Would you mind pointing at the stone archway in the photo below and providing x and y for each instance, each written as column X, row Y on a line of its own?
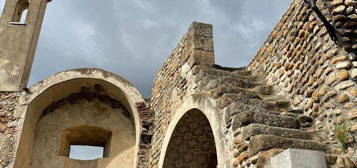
column 207, row 110
column 79, row 100
column 192, row 143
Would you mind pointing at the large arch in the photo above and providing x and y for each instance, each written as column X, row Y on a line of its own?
column 206, row 111
column 46, row 93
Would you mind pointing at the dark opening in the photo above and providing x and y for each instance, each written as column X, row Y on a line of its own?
column 192, row 143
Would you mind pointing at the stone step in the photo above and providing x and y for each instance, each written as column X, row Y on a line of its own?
column 272, row 97
column 265, row 142
column 305, row 121
column 296, row 111
column 238, row 82
column 256, row 79
column 264, row 90
column 243, row 73
column 221, row 90
column 279, row 103
column 274, row 105
column 258, row 129
column 227, row 81
column 249, row 117
column 202, row 70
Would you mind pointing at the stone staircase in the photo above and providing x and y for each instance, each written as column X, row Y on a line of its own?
column 262, row 124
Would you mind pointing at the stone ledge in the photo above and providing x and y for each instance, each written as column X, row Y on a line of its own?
column 257, row 129
column 265, row 142
column 298, row 158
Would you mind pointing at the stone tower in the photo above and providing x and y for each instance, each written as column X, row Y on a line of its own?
column 18, row 38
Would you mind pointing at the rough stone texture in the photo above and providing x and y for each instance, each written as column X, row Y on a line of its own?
column 305, row 61
column 297, row 158
column 342, row 16
column 246, row 118
column 266, row 142
column 170, row 85
column 147, row 119
column 8, row 127
column 257, row 129
column 299, row 91
column 239, row 98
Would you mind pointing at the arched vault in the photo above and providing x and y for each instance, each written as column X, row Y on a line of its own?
column 42, row 96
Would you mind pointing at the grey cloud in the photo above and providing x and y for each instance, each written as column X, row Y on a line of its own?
column 133, row 38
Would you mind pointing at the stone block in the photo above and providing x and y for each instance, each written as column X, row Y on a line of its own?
column 263, row 142
column 258, row 129
column 201, row 29
column 298, row 158
column 248, row 117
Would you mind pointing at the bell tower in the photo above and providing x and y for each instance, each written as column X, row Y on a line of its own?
column 20, row 26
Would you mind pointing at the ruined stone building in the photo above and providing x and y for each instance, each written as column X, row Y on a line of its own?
column 294, row 105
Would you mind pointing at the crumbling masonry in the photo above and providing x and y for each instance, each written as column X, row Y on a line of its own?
column 298, row 93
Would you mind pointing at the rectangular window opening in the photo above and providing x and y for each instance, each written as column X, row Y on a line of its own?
column 85, row 152
column 2, row 5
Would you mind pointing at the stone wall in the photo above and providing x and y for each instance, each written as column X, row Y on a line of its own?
column 170, row 84
column 8, row 127
column 316, row 71
column 342, row 15
column 147, row 121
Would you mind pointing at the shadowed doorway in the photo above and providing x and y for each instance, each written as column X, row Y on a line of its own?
column 192, row 143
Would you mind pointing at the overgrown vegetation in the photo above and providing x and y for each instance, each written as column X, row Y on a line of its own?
column 342, row 135
column 151, row 113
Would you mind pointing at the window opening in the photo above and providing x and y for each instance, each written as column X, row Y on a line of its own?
column 2, row 5
column 85, row 152
column 85, row 143
column 20, row 13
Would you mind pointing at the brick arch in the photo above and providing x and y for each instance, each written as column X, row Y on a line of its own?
column 182, row 125
column 44, row 95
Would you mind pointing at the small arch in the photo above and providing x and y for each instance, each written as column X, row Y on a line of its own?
column 204, row 107
column 63, row 93
column 192, row 143
column 20, row 12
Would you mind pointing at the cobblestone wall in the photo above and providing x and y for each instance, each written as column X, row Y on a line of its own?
column 342, row 15
column 170, row 84
column 8, row 127
column 304, row 62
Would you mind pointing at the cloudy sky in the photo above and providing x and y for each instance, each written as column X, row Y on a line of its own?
column 134, row 37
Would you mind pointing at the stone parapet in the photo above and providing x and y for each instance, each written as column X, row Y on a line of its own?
column 171, row 83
